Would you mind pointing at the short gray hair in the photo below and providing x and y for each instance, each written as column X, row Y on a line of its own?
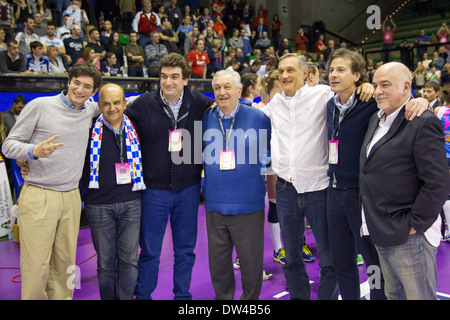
column 302, row 63
column 234, row 74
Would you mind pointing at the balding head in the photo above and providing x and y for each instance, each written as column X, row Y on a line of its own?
column 112, row 104
column 392, row 82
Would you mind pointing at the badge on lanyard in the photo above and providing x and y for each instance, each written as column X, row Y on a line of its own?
column 333, row 151
column 174, row 140
column 123, row 173
column 227, row 161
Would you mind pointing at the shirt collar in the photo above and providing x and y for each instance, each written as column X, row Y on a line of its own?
column 118, row 132
column 231, row 115
column 177, row 103
column 345, row 106
column 63, row 98
column 388, row 120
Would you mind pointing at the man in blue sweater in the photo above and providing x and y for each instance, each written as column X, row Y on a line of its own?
column 235, row 138
column 166, row 121
column 112, row 180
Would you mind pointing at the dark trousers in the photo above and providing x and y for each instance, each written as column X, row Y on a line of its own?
column 344, row 223
column 245, row 232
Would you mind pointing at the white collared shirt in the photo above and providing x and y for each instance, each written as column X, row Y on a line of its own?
column 299, row 144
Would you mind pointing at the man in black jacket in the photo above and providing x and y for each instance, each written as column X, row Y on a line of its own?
column 167, row 121
column 12, row 60
column 404, row 182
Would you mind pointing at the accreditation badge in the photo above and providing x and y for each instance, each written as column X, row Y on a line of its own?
column 174, row 140
column 333, row 151
column 123, row 173
column 227, row 161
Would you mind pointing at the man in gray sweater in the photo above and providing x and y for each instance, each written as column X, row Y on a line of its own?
column 50, row 204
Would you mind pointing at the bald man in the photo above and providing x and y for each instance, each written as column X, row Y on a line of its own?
column 112, row 180
column 404, row 182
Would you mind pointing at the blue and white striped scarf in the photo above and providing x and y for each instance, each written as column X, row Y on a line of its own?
column 133, row 154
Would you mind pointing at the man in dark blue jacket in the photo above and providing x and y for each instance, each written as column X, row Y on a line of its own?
column 167, row 121
column 348, row 118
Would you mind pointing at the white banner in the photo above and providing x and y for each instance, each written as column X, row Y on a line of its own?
column 5, row 200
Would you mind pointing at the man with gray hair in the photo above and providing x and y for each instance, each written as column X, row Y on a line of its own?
column 404, row 182
column 235, row 138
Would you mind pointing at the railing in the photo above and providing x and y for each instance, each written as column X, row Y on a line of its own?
column 57, row 83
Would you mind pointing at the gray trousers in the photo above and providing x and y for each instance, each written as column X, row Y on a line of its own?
column 245, row 232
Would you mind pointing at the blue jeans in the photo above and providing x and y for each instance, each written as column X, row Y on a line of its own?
column 409, row 269
column 292, row 208
column 157, row 207
column 344, row 223
column 115, row 235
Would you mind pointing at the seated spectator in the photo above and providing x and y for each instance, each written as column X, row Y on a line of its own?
column 88, row 55
column 63, row 31
column 229, row 55
column 321, row 61
column 167, row 36
column 426, row 60
column 242, row 59
column 260, row 28
column 94, row 42
column 2, row 39
column 233, row 65
column 56, row 63
column 320, row 45
column 189, row 41
column 254, row 67
column 12, row 60
column 111, row 67
column 281, row 50
column 236, row 41
column 135, row 56
column 77, row 15
column 204, row 18
column 115, row 46
column 266, row 68
column 184, row 31
column 438, row 60
column 198, row 60
column 73, row 45
column 25, row 37
column 445, row 74
column 260, row 19
column 154, row 51
column 247, row 47
column 23, row 10
column 37, row 61
column 106, row 32
column 50, row 39
column 41, row 7
column 40, row 27
column 263, row 42
column 433, row 73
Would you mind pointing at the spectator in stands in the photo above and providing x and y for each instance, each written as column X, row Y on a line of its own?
column 135, row 56
column 63, row 31
column 184, row 31
column 161, row 12
column 433, row 73
column 12, row 60
column 266, row 68
column 247, row 13
column 154, row 51
column 9, row 116
column 37, row 61
column 88, row 55
column 41, row 7
column 77, row 14
column 300, row 41
column 426, row 60
column 421, row 42
column 313, row 78
column 320, row 44
column 94, row 42
column 115, row 46
column 321, row 61
column 23, row 10
column 40, row 27
column 2, row 39
column 260, row 28
column 145, row 22
column 235, row 41
column 276, row 30
column 263, row 42
column 283, row 46
column 204, row 18
column 189, row 41
column 216, row 57
column 168, row 36
column 127, row 10
column 420, row 75
column 388, row 38
column 198, row 60
column 106, row 32
column 254, row 67
column 61, row 5
column 111, row 67
column 330, row 48
column 247, row 47
column 219, row 26
column 7, row 18
column 218, row 8
column 25, row 37
column 56, row 63
column 73, row 45
column 50, row 39
column 443, row 35
column 445, row 74
column 174, row 14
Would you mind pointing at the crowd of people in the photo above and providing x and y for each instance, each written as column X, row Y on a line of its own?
column 151, row 168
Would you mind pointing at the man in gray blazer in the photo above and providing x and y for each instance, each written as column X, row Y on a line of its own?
column 9, row 116
column 404, row 182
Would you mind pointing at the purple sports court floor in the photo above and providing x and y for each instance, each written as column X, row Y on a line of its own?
column 201, row 287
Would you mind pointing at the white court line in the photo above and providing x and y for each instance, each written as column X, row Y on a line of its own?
column 282, row 294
